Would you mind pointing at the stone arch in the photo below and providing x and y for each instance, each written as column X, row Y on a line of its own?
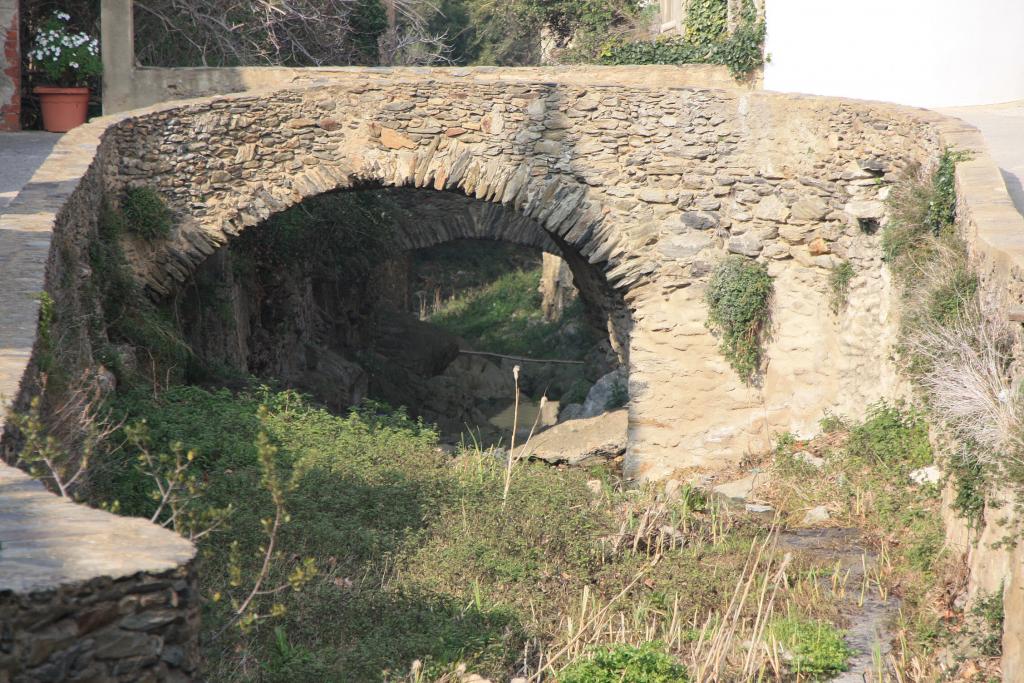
column 648, row 186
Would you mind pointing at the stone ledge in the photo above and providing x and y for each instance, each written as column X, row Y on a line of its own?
column 149, row 85
column 47, row 541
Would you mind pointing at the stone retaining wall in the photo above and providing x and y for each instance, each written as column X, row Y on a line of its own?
column 994, row 231
column 90, row 596
column 84, row 595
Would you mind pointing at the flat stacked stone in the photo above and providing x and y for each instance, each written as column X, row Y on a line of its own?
column 86, row 595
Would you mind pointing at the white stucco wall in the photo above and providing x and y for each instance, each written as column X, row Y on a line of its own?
column 928, row 53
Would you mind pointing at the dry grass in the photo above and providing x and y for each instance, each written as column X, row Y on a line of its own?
column 966, row 382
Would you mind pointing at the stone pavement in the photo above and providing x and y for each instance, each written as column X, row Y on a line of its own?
column 1002, row 125
column 20, row 155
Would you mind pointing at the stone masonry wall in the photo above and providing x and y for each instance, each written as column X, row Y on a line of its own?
column 90, row 596
column 85, row 595
column 650, row 186
column 140, row 628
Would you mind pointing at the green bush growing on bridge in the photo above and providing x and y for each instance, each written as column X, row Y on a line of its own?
column 706, row 40
column 956, row 356
column 129, row 316
column 739, row 307
column 146, row 213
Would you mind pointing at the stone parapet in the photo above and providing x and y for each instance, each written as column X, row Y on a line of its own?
column 90, row 596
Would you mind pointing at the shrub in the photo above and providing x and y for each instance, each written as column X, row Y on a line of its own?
column 942, row 207
column 739, row 299
column 892, row 435
column 147, row 214
column 970, row 485
column 706, row 41
column 815, row 647
column 129, row 316
column 921, row 207
column 625, row 664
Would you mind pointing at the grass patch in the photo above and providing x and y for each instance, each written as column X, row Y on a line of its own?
column 619, row 663
column 504, row 316
column 839, row 281
column 814, row 648
column 146, row 214
column 418, row 560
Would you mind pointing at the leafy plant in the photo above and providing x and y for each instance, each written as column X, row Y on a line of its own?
column 839, row 281
column 942, row 207
column 129, row 315
column 814, row 647
column 892, row 435
column 739, row 307
column 970, row 484
column 625, row 664
column 705, row 41
column 987, row 617
column 146, row 213
column 67, row 57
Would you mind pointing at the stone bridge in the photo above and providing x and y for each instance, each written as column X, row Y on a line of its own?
column 642, row 189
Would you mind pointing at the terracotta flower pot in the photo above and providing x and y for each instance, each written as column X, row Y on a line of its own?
column 63, row 108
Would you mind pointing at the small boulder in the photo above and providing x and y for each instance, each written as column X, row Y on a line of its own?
column 816, row 515
column 739, row 489
column 926, row 475
column 812, row 460
column 605, row 393
column 581, row 442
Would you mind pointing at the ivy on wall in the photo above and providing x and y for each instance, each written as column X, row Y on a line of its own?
column 705, row 40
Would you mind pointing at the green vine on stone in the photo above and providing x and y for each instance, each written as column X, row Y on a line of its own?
column 706, row 40
column 739, row 307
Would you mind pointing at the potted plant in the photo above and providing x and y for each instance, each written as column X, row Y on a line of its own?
column 68, row 58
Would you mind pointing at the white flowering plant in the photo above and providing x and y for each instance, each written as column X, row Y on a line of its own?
column 67, row 57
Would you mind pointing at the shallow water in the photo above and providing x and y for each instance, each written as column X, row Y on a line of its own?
column 867, row 626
